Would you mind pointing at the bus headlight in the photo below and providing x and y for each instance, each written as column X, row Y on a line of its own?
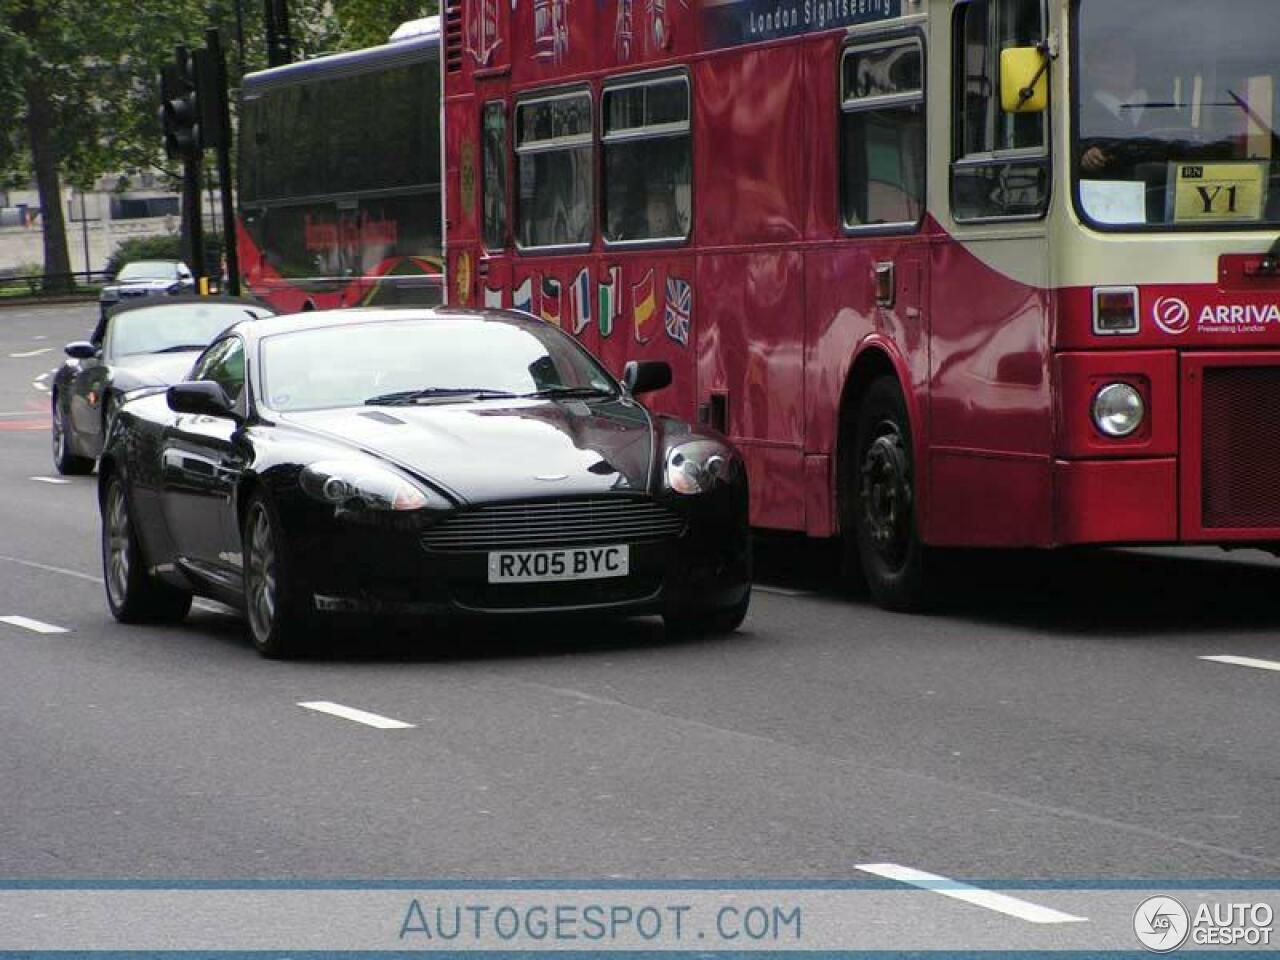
column 1118, row 410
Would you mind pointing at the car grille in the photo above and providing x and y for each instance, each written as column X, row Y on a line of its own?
column 1240, row 447
column 555, row 523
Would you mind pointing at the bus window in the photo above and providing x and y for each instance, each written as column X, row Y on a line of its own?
column 493, row 187
column 553, row 169
column 648, row 151
column 882, row 135
column 1001, row 166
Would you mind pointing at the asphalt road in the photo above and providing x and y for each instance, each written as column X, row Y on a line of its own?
column 1055, row 721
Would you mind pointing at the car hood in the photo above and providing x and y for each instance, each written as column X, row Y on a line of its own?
column 153, row 370
column 503, row 450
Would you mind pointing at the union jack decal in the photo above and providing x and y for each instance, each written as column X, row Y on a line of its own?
column 679, row 310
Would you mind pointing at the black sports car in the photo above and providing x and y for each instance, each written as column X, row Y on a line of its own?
column 139, row 347
column 417, row 461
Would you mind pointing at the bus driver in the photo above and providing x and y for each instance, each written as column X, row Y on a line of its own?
column 1117, row 107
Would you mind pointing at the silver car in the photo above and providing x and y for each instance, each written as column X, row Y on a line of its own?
column 147, row 278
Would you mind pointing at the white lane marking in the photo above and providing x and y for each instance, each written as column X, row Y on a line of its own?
column 999, row 902
column 359, row 716
column 35, row 626
column 781, row 591
column 56, row 481
column 44, row 566
column 1246, row 662
column 24, row 414
column 30, row 353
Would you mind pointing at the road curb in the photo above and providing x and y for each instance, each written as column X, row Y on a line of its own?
column 46, row 301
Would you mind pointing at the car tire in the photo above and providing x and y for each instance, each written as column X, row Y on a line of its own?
column 66, row 462
column 279, row 622
column 893, row 559
column 709, row 623
column 133, row 594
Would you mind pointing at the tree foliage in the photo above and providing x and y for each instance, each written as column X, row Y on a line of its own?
column 91, row 67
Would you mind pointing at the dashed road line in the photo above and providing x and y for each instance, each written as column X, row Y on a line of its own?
column 988, row 899
column 55, row 481
column 51, row 569
column 30, row 353
column 359, row 716
column 1246, row 662
column 35, row 626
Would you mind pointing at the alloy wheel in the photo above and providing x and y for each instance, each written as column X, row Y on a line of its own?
column 261, row 574
column 117, row 545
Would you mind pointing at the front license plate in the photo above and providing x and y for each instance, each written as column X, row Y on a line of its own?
column 545, row 566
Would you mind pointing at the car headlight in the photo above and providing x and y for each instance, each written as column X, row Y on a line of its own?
column 700, row 466
column 350, row 483
column 1118, row 410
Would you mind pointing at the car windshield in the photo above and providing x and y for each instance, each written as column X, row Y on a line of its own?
column 1177, row 106
column 424, row 360
column 148, row 270
column 172, row 327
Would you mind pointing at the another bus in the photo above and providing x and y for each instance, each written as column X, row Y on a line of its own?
column 982, row 273
column 339, row 178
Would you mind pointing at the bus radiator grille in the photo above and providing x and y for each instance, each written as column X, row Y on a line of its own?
column 1240, row 448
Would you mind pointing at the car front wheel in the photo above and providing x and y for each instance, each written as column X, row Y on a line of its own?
column 66, row 462
column 273, row 604
column 133, row 595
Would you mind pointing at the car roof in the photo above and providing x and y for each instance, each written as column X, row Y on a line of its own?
column 150, row 303
column 366, row 316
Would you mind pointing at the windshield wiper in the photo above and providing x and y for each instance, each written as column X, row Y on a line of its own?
column 182, row 348
column 559, row 393
column 407, row 397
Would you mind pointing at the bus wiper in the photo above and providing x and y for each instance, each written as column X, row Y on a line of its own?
column 407, row 397
column 562, row 393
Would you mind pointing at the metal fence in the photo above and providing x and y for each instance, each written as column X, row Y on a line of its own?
column 16, row 284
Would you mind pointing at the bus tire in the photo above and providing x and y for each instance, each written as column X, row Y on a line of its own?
column 893, row 559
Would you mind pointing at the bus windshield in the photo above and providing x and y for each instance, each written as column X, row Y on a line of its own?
column 1177, row 106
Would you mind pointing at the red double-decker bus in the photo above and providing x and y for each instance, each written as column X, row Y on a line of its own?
column 949, row 272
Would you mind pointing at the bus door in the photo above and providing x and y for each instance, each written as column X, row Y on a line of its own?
column 991, row 411
column 493, row 268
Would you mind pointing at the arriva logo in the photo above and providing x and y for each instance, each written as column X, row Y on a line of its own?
column 1172, row 315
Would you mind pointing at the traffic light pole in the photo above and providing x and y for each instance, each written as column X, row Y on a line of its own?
column 192, row 214
column 219, row 137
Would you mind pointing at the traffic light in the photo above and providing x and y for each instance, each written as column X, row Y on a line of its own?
column 179, row 107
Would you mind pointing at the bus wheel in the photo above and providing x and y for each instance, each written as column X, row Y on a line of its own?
column 892, row 557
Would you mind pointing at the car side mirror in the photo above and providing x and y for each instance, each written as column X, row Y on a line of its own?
column 80, row 350
column 646, row 376
column 203, row 397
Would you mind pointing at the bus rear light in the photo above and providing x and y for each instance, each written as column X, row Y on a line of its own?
column 1115, row 311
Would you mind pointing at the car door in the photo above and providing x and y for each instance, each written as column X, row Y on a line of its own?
column 202, row 458
column 88, row 393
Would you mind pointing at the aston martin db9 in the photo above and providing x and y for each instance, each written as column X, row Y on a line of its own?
column 417, row 462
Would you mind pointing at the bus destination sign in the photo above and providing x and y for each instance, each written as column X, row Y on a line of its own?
column 728, row 23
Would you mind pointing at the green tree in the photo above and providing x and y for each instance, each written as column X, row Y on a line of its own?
column 80, row 80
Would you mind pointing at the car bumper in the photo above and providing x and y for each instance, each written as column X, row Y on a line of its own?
column 379, row 565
